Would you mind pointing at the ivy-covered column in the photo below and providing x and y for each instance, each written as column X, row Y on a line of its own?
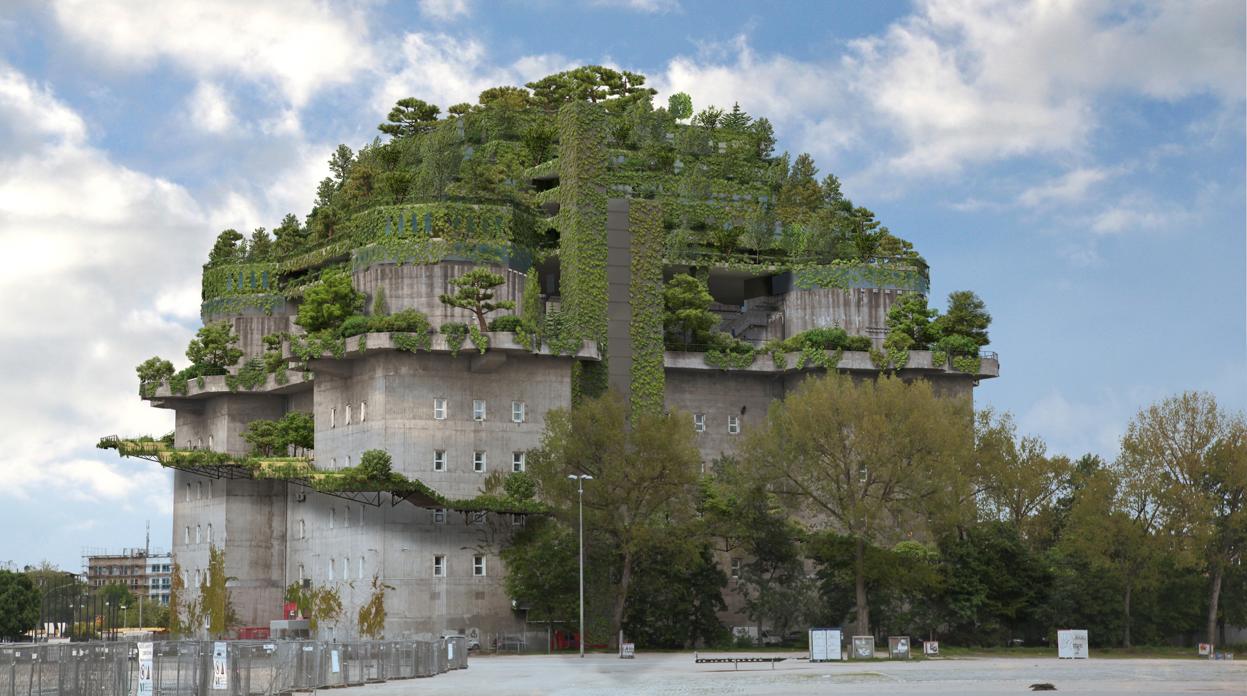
column 648, row 385
column 582, row 241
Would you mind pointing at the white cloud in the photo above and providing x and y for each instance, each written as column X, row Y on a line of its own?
column 298, row 46
column 209, row 109
column 28, row 113
column 95, row 272
column 445, row 10
column 1074, row 185
column 646, row 6
column 1073, row 428
column 974, row 81
column 446, row 70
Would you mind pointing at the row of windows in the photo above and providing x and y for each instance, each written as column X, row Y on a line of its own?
column 199, row 490
column 343, row 571
column 363, row 414
column 699, row 424
column 441, row 410
column 480, row 410
column 439, row 518
column 199, row 534
column 480, row 461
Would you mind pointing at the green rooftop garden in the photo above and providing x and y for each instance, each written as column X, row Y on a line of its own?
column 481, row 182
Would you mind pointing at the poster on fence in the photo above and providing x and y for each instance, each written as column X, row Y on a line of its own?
column 1071, row 645
column 145, row 669
column 220, row 676
column 335, row 664
column 824, row 644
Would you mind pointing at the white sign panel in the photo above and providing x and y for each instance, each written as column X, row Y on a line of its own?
column 931, row 648
column 825, row 645
column 627, row 651
column 450, row 650
column 335, row 665
column 1071, row 645
column 145, row 669
column 220, row 675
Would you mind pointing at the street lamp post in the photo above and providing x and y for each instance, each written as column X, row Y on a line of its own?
column 580, row 489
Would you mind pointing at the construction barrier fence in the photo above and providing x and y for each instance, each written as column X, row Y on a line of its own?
column 218, row 668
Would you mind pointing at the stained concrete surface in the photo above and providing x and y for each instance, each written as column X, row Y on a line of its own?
column 676, row 673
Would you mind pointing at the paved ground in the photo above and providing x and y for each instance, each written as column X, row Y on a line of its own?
column 676, row 673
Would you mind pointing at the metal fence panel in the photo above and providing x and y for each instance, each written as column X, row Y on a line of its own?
column 252, row 668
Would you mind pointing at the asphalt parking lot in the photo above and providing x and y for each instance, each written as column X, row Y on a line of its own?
column 676, row 673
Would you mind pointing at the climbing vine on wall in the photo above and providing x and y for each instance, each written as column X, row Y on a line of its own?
column 372, row 613
column 648, row 385
column 582, row 244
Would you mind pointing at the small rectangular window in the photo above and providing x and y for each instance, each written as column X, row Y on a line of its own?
column 478, row 410
column 733, row 425
column 348, row 414
column 699, row 422
column 331, row 569
column 735, row 568
column 360, row 574
column 439, row 566
column 517, row 461
column 186, row 536
column 188, row 492
column 517, row 520
column 478, row 566
column 439, row 460
column 518, row 411
column 333, row 516
column 363, row 411
column 439, row 409
column 439, row 516
column 333, row 417
column 346, row 516
column 478, row 462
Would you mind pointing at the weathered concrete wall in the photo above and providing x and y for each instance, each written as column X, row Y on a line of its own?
column 248, row 520
column 860, row 311
column 618, row 290
column 399, row 389
column 419, row 287
column 398, row 544
column 718, row 395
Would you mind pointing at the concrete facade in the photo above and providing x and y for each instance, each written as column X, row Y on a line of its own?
column 451, row 421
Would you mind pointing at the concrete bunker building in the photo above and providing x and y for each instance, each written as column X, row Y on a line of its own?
column 604, row 219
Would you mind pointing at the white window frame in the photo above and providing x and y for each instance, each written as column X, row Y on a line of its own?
column 478, row 566
column 363, row 411
column 198, row 534
column 188, row 491
column 480, row 461
column 439, row 409
column 186, row 534
column 301, row 573
column 733, row 425
column 699, row 422
column 519, row 461
column 199, row 490
column 735, row 569
column 333, row 517
column 209, row 539
column 439, row 460
column 517, row 520
column 360, row 574
column 348, row 415
column 302, row 528
column 439, row 566
column 519, row 411
column 479, row 410
column 333, row 417
column 439, row 516
column 346, row 517
column 331, row 566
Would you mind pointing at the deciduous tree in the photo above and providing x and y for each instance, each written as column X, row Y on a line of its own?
column 864, row 459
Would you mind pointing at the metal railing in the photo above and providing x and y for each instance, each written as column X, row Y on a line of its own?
column 199, row 668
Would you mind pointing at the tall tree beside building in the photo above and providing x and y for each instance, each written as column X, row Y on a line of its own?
column 1193, row 457
column 866, row 459
column 19, row 605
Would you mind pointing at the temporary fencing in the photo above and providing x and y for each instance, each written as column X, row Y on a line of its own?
column 218, row 668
